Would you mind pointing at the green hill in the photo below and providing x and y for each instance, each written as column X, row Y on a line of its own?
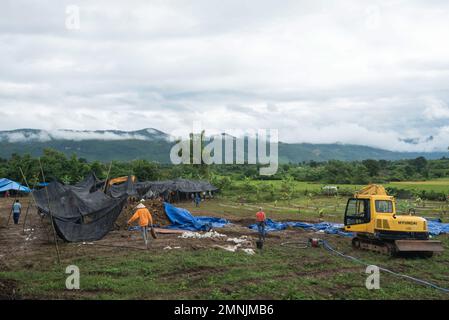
column 155, row 145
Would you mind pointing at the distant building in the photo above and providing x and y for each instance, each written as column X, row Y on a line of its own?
column 330, row 190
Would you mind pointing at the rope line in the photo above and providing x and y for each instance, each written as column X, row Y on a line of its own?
column 328, row 247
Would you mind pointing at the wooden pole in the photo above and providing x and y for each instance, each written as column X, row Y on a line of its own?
column 28, row 208
column 51, row 215
column 107, row 178
column 34, row 200
column 25, row 219
column 35, row 203
column 9, row 217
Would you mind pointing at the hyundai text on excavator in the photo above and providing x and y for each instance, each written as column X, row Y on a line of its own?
column 371, row 215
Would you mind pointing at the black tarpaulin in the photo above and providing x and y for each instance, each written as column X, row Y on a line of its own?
column 81, row 212
column 177, row 185
column 119, row 190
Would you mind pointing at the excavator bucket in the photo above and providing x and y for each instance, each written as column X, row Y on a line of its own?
column 419, row 246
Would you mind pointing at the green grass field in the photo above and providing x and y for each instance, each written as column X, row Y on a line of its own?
column 277, row 272
column 308, row 202
column 438, row 185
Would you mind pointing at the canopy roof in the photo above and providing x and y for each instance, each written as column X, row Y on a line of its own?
column 181, row 185
column 9, row 185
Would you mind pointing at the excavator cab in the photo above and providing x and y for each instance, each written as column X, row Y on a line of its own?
column 357, row 212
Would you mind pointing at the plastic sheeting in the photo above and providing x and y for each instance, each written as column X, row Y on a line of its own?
column 127, row 188
column 184, row 220
column 435, row 226
column 9, row 185
column 81, row 212
column 327, row 227
column 176, row 185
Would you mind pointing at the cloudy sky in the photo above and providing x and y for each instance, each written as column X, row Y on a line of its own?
column 362, row 72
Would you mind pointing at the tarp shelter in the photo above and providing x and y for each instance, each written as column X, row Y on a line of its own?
column 82, row 212
column 178, row 186
column 9, row 185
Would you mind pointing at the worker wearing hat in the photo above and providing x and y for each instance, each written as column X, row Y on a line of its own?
column 145, row 220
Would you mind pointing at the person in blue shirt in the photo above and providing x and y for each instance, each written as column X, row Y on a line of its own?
column 197, row 200
column 16, row 210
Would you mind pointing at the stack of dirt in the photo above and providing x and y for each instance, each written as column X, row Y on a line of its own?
column 156, row 208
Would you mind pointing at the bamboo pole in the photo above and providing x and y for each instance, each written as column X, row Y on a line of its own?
column 34, row 200
column 25, row 219
column 9, row 217
column 28, row 208
column 107, row 178
column 51, row 215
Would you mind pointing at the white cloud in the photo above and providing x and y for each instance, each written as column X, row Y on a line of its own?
column 436, row 109
column 90, row 135
column 42, row 136
column 22, row 137
column 364, row 73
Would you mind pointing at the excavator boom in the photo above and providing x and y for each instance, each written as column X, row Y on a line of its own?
column 372, row 189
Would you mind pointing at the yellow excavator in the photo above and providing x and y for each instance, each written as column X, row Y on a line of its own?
column 371, row 215
column 120, row 180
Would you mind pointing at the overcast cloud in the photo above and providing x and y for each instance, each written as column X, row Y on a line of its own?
column 364, row 72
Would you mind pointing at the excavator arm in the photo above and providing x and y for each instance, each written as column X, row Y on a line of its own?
column 372, row 189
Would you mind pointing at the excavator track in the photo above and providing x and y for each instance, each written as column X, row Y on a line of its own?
column 373, row 245
column 424, row 248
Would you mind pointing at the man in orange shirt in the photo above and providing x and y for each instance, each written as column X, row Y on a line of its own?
column 145, row 220
column 261, row 223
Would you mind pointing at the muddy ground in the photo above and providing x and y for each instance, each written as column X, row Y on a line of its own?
column 287, row 273
column 32, row 240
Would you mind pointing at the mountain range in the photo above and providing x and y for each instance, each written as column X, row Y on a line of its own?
column 155, row 145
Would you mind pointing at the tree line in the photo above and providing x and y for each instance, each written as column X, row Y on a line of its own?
column 72, row 169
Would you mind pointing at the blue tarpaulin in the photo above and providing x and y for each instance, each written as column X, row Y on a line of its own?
column 9, row 185
column 327, row 227
column 183, row 219
column 435, row 227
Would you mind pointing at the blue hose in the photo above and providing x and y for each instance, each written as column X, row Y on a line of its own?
column 423, row 282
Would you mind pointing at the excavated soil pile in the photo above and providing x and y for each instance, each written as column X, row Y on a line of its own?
column 156, row 208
